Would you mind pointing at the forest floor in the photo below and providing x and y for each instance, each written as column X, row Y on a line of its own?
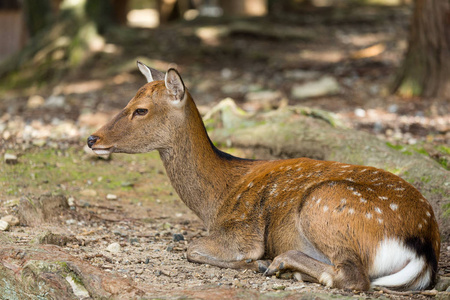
column 262, row 64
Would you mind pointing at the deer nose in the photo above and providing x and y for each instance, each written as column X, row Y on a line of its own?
column 92, row 140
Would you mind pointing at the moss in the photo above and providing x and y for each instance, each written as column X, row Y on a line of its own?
column 71, row 171
column 446, row 210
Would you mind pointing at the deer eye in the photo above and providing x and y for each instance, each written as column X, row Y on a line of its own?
column 140, row 112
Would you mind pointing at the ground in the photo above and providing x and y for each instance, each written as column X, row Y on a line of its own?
column 127, row 199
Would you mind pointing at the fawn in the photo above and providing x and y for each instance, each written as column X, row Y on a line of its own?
column 340, row 225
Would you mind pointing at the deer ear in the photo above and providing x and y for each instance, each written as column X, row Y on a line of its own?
column 175, row 85
column 149, row 73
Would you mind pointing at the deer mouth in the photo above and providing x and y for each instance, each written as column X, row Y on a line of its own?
column 103, row 151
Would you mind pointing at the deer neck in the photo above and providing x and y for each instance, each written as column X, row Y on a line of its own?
column 201, row 174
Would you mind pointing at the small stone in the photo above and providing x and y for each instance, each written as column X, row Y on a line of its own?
column 139, row 271
column 134, row 240
column 114, row 248
column 39, row 142
column 169, row 248
column 278, row 287
column 12, row 220
column 35, row 101
column 443, row 283
column 111, row 197
column 10, row 159
column 55, row 101
column 71, row 201
column 88, row 193
column 324, row 86
column 147, row 261
column 53, row 239
column 71, row 222
column 178, row 237
column 4, row 225
column 298, row 276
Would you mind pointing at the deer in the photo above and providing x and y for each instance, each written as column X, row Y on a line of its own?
column 340, row 225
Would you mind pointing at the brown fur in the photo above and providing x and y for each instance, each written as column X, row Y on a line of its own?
column 312, row 216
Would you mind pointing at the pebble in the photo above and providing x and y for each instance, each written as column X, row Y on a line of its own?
column 178, row 237
column 12, row 220
column 278, row 287
column 71, row 222
column 10, row 158
column 35, row 101
column 114, row 248
column 71, row 201
column 326, row 85
column 4, row 225
column 111, row 197
column 89, row 193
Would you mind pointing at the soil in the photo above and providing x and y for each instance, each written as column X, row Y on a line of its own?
column 151, row 224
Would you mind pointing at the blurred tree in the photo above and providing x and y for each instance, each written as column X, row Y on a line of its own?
column 63, row 34
column 425, row 70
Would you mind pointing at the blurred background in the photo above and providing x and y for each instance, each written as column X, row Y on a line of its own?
column 358, row 81
column 382, row 66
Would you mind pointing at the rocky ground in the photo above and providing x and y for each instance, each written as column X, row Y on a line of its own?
column 120, row 214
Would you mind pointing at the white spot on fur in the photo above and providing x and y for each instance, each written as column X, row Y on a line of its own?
column 375, row 172
column 378, row 210
column 363, row 170
column 428, row 214
column 250, row 184
column 380, row 220
column 393, row 206
column 345, row 166
column 325, row 208
column 350, row 188
column 369, row 216
column 399, row 189
column 356, row 193
column 274, row 189
column 370, row 189
column 351, row 211
column 363, row 200
column 420, row 226
column 395, row 266
column 318, row 200
column 326, row 279
column 343, row 201
column 238, row 197
column 383, row 198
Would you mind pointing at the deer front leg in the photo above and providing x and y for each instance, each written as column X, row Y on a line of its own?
column 228, row 253
column 347, row 273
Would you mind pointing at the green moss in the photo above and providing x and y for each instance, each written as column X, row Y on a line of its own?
column 71, row 171
column 446, row 210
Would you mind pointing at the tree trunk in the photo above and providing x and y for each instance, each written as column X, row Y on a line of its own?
column 426, row 67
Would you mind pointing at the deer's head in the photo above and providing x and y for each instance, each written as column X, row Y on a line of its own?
column 150, row 118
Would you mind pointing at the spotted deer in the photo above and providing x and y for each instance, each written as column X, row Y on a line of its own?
column 341, row 225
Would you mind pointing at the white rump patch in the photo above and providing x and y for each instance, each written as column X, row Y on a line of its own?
column 396, row 266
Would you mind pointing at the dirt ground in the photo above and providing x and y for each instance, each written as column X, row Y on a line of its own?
column 128, row 199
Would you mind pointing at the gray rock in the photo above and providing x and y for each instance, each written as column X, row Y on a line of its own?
column 178, row 237
column 301, row 74
column 4, row 225
column 324, row 86
column 114, row 248
column 12, row 220
column 443, row 284
column 10, row 159
column 55, row 101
